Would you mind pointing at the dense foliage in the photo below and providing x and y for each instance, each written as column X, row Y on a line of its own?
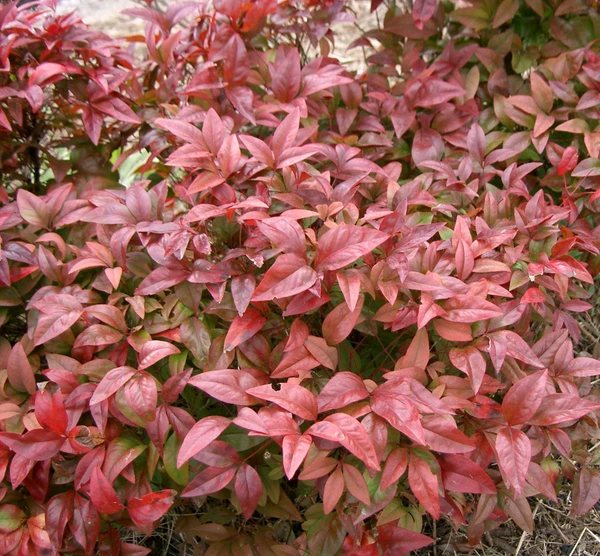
column 295, row 307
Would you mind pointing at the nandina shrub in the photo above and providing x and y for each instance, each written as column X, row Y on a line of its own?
column 296, row 308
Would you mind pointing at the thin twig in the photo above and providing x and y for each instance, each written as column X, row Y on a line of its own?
column 577, row 543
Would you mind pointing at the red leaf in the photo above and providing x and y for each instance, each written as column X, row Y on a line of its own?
column 112, row 381
column 345, row 244
column 60, row 313
column 469, row 308
column 471, row 362
column 395, row 466
column 85, row 524
column 50, row 412
column 298, row 334
column 248, row 488
column 427, row 145
column 476, row 143
column 334, row 488
column 402, row 414
column 586, row 491
column 243, row 328
column 58, row 513
column 174, row 385
column 520, row 512
column 183, row 130
column 350, row 433
column 119, row 454
column 417, row 354
column 342, row 389
column 524, row 398
column 513, row 450
column 442, row 435
column 155, row 350
column 396, row 541
column 211, row 479
column 46, row 71
column 423, row 11
column 286, row 133
column 460, row 474
column 318, row 468
column 151, row 507
column 242, row 289
column 200, row 436
column 11, row 518
column 349, row 282
column 98, row 335
column 539, row 480
column 582, row 367
column 285, row 74
column 19, row 370
column 424, row 485
column 340, row 322
column 294, row 450
column 533, row 295
column 291, row 397
column 288, row 276
column 464, row 259
column 33, row 209
column 561, row 408
column 227, row 385
column 141, row 395
column 161, row 279
column 355, row 483
column 516, row 347
column 35, row 445
column 103, row 494
column 453, row 331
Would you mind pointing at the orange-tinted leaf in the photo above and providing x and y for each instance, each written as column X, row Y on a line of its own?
column 211, row 479
column 524, row 398
column 19, row 370
column 292, row 397
column 355, row 483
column 248, row 488
column 345, row 244
column 342, row 389
column 340, row 322
column 460, row 474
column 395, row 466
column 350, row 433
column 103, row 494
column 200, row 436
column 424, row 485
column 151, row 507
column 513, row 449
column 586, row 490
column 155, row 350
column 334, row 488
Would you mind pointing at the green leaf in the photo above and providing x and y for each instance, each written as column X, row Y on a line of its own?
column 325, row 533
column 180, row 475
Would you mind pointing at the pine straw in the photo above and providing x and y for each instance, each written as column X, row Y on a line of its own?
column 555, row 534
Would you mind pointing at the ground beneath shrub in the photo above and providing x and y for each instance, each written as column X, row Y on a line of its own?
column 556, row 534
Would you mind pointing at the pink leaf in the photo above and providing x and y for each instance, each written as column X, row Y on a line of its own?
column 291, row 397
column 513, row 449
column 243, row 328
column 151, row 507
column 248, row 488
column 345, row 244
column 200, row 436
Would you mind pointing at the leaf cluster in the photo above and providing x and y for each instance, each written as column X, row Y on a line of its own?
column 236, row 276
